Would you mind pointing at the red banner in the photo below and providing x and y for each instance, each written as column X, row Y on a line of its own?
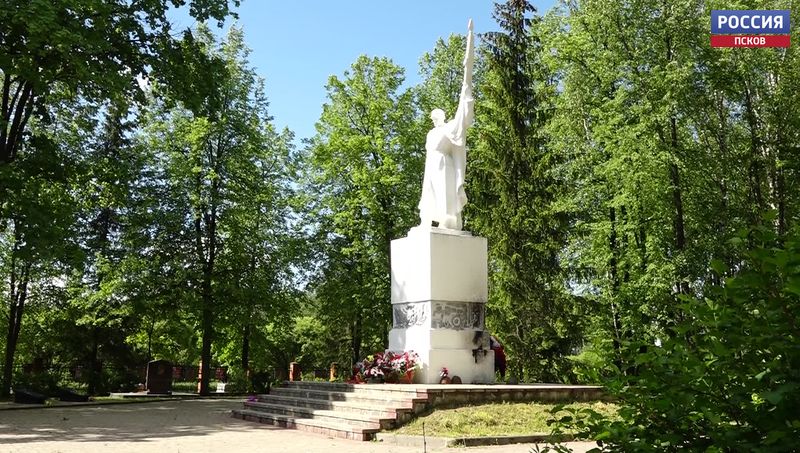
column 750, row 40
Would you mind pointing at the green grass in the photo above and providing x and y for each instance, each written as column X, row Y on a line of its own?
column 191, row 386
column 502, row 419
column 135, row 399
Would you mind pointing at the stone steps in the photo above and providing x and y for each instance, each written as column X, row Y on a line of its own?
column 335, row 409
column 358, row 411
column 367, row 397
column 382, row 390
column 332, row 415
column 343, row 406
column 326, row 428
column 392, row 389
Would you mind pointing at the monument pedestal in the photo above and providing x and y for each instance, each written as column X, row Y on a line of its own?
column 439, row 294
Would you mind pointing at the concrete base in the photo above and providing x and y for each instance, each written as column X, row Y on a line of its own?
column 472, row 368
column 439, row 292
column 456, row 350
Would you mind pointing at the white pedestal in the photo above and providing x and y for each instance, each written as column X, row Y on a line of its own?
column 439, row 292
column 439, row 264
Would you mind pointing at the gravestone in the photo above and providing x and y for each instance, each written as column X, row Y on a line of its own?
column 159, row 377
column 199, row 376
column 295, row 373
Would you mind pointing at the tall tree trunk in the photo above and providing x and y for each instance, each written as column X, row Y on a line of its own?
column 150, row 330
column 94, row 372
column 615, row 285
column 18, row 295
column 208, row 332
column 755, row 168
column 246, row 349
column 355, row 343
column 679, row 225
column 15, row 111
column 677, row 200
column 207, row 256
column 524, row 354
column 780, row 192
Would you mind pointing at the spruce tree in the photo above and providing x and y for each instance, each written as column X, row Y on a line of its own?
column 512, row 193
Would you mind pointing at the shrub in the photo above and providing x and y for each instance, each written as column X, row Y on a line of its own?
column 728, row 376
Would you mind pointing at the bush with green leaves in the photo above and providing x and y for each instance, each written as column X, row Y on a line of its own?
column 726, row 378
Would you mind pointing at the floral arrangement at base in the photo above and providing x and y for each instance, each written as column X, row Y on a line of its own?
column 444, row 376
column 386, row 367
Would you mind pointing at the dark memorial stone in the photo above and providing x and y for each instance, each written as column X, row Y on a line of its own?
column 159, row 377
column 71, row 396
column 24, row 396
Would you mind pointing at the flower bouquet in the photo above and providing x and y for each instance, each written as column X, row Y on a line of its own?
column 386, row 367
column 444, row 376
column 404, row 365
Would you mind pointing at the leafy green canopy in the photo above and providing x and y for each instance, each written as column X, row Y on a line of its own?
column 93, row 47
column 513, row 192
column 225, row 168
column 362, row 183
column 668, row 147
column 729, row 380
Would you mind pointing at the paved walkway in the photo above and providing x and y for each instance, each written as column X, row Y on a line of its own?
column 190, row 426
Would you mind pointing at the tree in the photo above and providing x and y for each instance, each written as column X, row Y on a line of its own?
column 362, row 185
column 98, row 311
column 225, row 168
column 653, row 129
column 513, row 192
column 733, row 387
column 92, row 47
column 35, row 238
column 256, row 271
column 683, row 231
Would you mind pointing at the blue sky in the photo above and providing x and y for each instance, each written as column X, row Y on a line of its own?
column 297, row 45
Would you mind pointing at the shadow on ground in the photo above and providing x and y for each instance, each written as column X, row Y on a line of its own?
column 124, row 422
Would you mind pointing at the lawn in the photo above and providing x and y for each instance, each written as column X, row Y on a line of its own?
column 501, row 419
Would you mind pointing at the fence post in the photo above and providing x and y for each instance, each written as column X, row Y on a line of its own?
column 294, row 372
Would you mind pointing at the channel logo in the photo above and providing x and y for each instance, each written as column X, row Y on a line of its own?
column 750, row 28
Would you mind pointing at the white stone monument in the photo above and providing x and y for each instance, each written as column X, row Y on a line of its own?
column 439, row 272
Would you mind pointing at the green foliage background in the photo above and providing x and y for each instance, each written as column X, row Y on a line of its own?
column 639, row 190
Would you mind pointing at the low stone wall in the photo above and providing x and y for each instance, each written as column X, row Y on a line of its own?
column 459, row 395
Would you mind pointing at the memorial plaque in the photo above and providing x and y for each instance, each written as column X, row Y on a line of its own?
column 159, row 377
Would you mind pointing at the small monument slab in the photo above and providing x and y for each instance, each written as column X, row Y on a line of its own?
column 71, row 396
column 159, row 377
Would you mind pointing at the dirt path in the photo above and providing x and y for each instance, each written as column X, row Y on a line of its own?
column 190, row 426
